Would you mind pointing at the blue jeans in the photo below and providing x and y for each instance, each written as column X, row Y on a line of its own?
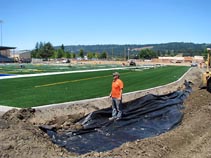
column 116, row 108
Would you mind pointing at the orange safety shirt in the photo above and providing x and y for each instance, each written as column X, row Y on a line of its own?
column 117, row 86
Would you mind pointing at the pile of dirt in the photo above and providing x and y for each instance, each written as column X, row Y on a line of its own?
column 20, row 138
column 20, row 135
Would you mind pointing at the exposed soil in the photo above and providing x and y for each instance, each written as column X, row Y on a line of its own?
column 21, row 137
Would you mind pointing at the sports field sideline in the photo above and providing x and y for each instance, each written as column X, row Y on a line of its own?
column 64, row 72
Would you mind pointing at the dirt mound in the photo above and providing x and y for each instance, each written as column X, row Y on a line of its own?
column 20, row 135
column 20, row 138
column 22, row 114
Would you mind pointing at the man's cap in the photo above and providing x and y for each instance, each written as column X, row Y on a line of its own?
column 116, row 74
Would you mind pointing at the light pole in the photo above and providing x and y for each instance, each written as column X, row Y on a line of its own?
column 1, row 21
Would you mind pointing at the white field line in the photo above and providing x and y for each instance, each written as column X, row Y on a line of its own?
column 65, row 72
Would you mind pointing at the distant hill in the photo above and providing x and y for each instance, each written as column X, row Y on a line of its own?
column 173, row 48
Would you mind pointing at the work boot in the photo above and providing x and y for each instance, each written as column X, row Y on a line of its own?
column 111, row 118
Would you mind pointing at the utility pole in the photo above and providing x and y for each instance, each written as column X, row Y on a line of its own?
column 112, row 53
column 1, row 22
column 124, row 55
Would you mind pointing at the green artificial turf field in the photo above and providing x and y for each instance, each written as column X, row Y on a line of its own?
column 43, row 90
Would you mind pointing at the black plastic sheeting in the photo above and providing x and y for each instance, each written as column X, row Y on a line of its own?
column 144, row 117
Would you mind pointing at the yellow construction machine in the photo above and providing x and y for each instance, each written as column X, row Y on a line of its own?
column 206, row 76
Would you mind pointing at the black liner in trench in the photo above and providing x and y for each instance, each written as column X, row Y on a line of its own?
column 144, row 117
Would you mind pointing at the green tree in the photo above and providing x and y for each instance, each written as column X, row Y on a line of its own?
column 97, row 55
column 103, row 55
column 43, row 50
column 81, row 53
column 62, row 47
column 33, row 54
column 60, row 53
column 90, row 55
column 55, row 54
column 73, row 55
column 68, row 55
column 47, row 50
column 147, row 54
column 36, row 52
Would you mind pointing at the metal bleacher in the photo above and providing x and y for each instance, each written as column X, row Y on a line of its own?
column 3, row 58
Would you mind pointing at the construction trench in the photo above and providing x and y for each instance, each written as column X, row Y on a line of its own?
column 146, row 116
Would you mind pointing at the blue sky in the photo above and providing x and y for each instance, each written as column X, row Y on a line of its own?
column 87, row 22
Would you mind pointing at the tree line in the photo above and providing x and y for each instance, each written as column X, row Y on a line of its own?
column 121, row 52
column 47, row 50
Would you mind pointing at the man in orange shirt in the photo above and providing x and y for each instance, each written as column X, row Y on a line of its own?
column 116, row 95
